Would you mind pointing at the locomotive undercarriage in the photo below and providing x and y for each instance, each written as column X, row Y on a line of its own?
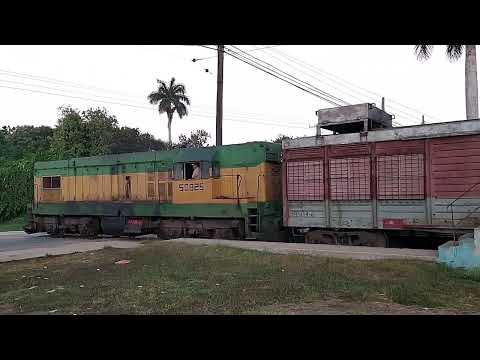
column 164, row 228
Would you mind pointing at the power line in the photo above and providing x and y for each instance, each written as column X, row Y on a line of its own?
column 150, row 108
column 246, row 60
column 91, row 94
column 250, row 114
column 272, row 74
column 346, row 103
column 322, row 72
column 348, row 94
column 57, row 89
column 305, row 73
column 262, row 68
column 293, row 77
column 56, row 81
column 256, row 49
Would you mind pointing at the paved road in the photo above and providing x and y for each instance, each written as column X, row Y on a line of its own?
column 17, row 245
column 352, row 252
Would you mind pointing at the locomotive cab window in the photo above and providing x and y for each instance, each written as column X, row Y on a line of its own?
column 51, row 182
column 192, row 170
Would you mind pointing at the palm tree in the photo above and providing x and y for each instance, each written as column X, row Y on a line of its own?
column 170, row 99
column 454, row 52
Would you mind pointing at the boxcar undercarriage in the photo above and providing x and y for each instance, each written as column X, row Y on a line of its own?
column 415, row 238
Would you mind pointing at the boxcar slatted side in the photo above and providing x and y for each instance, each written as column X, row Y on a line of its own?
column 455, row 170
column 305, row 180
column 391, row 184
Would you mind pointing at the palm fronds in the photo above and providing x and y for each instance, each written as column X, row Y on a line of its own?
column 423, row 52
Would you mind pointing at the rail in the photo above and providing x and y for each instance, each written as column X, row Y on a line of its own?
column 450, row 205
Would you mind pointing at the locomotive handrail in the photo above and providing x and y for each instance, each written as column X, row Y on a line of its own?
column 451, row 208
column 256, row 203
column 258, row 183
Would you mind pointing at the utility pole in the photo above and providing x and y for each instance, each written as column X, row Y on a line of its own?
column 220, row 50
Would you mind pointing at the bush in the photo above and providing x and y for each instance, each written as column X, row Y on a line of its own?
column 16, row 188
column 472, row 274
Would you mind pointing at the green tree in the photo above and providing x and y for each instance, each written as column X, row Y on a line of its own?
column 170, row 99
column 454, row 52
column 87, row 133
column 31, row 142
column 16, row 187
column 196, row 139
column 24, row 142
column 101, row 127
column 280, row 138
column 70, row 136
column 6, row 147
column 127, row 140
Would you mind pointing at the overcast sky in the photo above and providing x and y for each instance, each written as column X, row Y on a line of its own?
column 127, row 74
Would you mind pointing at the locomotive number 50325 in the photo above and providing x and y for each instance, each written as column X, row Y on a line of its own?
column 190, row 187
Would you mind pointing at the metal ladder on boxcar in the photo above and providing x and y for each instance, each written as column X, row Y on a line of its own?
column 466, row 217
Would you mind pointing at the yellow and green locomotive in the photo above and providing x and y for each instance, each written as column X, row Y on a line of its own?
column 231, row 192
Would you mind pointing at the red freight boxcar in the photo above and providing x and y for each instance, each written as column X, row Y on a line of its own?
column 362, row 188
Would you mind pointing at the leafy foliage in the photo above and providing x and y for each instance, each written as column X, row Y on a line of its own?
column 127, row 140
column 16, row 187
column 197, row 139
column 24, row 142
column 281, row 137
column 95, row 132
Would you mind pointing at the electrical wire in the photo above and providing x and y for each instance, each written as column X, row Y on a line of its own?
column 287, row 125
column 256, row 49
column 57, row 89
column 274, row 75
column 323, row 72
column 348, row 94
column 293, row 77
column 407, row 116
column 57, row 81
column 280, row 72
column 102, row 96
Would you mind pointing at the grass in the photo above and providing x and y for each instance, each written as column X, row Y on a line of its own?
column 13, row 224
column 174, row 278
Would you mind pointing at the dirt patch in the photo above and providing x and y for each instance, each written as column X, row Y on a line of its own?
column 339, row 307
